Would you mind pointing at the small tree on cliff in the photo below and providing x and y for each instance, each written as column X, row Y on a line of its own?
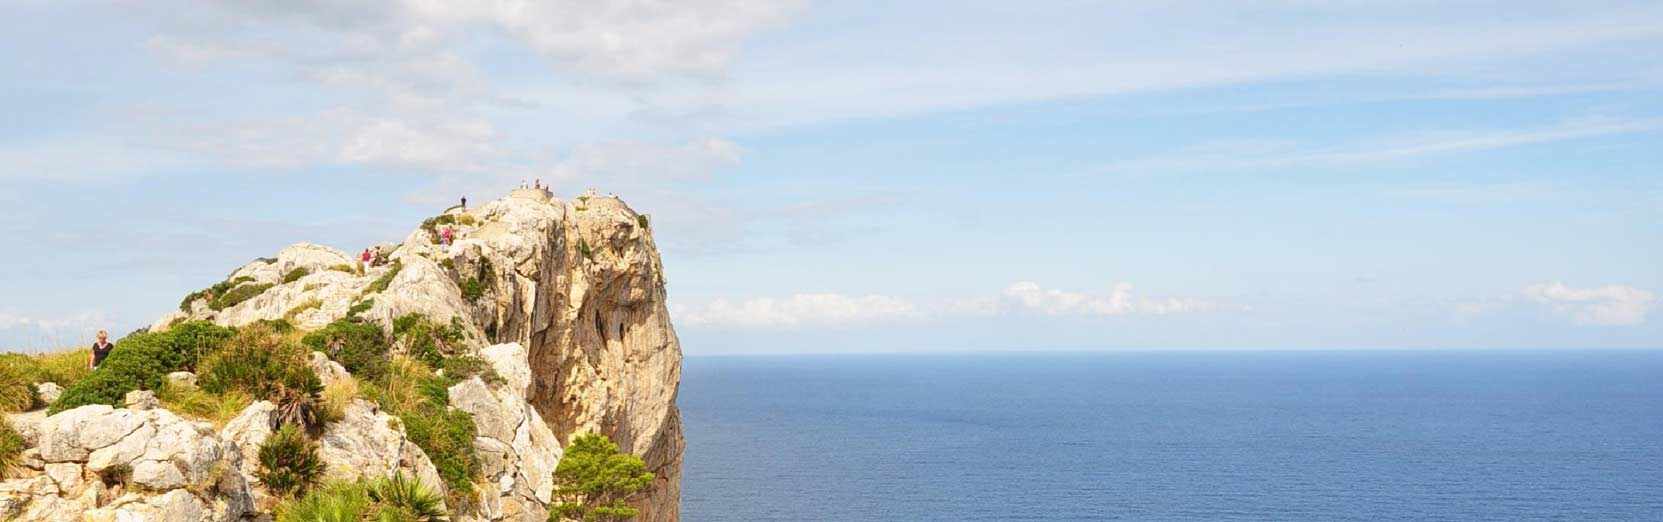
column 594, row 479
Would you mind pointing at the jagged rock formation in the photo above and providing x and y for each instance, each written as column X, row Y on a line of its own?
column 565, row 299
column 102, row 463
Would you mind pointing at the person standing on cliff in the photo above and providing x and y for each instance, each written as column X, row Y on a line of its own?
column 100, row 349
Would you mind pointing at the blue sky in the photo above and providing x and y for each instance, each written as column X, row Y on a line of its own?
column 866, row 176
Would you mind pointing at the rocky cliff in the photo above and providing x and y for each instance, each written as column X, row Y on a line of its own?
column 565, row 299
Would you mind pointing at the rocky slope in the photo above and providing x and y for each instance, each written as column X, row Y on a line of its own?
column 564, row 299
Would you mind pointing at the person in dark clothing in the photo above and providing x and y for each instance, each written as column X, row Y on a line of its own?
column 100, row 349
column 464, row 202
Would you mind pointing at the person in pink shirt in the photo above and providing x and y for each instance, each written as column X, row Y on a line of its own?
column 446, row 236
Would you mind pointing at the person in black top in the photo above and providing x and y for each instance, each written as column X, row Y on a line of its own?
column 101, row 349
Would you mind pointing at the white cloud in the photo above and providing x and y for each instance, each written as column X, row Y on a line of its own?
column 1258, row 154
column 830, row 309
column 1609, row 305
column 18, row 332
column 1028, row 296
column 798, row 310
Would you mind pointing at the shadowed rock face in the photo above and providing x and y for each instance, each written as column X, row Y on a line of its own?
column 578, row 284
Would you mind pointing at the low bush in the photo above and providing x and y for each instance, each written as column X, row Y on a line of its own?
column 360, row 347
column 464, row 367
column 583, row 248
column 392, row 499
column 360, row 307
column 212, row 292
column 237, row 295
column 11, row 449
column 289, row 463
column 426, row 340
column 309, row 304
column 115, row 475
column 345, row 268
column 380, row 284
column 264, row 365
column 472, row 289
column 296, row 274
column 140, row 360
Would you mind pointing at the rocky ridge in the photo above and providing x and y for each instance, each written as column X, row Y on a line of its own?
column 564, row 299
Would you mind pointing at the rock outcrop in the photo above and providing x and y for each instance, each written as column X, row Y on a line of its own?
column 100, row 463
column 576, row 286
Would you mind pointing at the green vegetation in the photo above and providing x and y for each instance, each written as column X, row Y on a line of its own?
column 483, row 278
column 296, row 274
column 237, row 295
column 464, row 367
column 380, row 284
column 345, row 268
column 212, row 292
column 140, row 360
column 310, row 304
column 419, row 398
column 360, row 347
column 17, row 392
column 432, row 224
column 11, row 449
column 393, row 499
column 583, row 248
column 594, row 480
column 472, row 289
column 428, row 341
column 289, row 463
column 117, row 474
column 641, row 219
column 260, row 363
column 358, row 308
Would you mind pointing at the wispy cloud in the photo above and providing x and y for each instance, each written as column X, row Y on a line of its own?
column 1259, row 155
column 1021, row 298
column 1609, row 305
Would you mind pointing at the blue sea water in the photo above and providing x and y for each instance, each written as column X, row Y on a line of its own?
column 1402, row 435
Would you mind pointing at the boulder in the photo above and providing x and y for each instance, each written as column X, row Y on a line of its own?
column 48, row 392
column 518, row 452
column 141, row 400
column 367, row 442
column 182, row 380
column 164, row 467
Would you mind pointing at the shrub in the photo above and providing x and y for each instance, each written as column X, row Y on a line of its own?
column 345, row 268
column 380, row 284
column 17, row 392
column 472, row 289
column 464, row 367
column 358, row 308
column 237, row 295
column 114, row 475
column 391, row 499
column 11, row 449
column 212, row 292
column 289, row 463
column 309, row 304
column 594, row 479
column 263, row 365
column 427, row 341
column 408, row 498
column 218, row 408
column 411, row 392
column 360, row 347
column 296, row 274
column 140, row 360
column 641, row 219
column 583, row 248
column 338, row 502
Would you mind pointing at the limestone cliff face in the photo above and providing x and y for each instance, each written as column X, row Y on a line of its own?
column 578, row 284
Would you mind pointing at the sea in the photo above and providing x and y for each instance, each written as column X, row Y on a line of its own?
column 1185, row 435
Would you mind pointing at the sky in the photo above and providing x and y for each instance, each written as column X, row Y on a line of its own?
column 857, row 176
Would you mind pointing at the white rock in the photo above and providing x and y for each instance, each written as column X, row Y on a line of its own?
column 368, row 442
column 182, row 380
column 141, row 400
column 49, row 392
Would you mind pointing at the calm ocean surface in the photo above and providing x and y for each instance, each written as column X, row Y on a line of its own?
column 1482, row 435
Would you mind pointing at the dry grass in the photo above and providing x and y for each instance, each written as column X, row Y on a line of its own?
column 217, row 408
column 337, row 395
